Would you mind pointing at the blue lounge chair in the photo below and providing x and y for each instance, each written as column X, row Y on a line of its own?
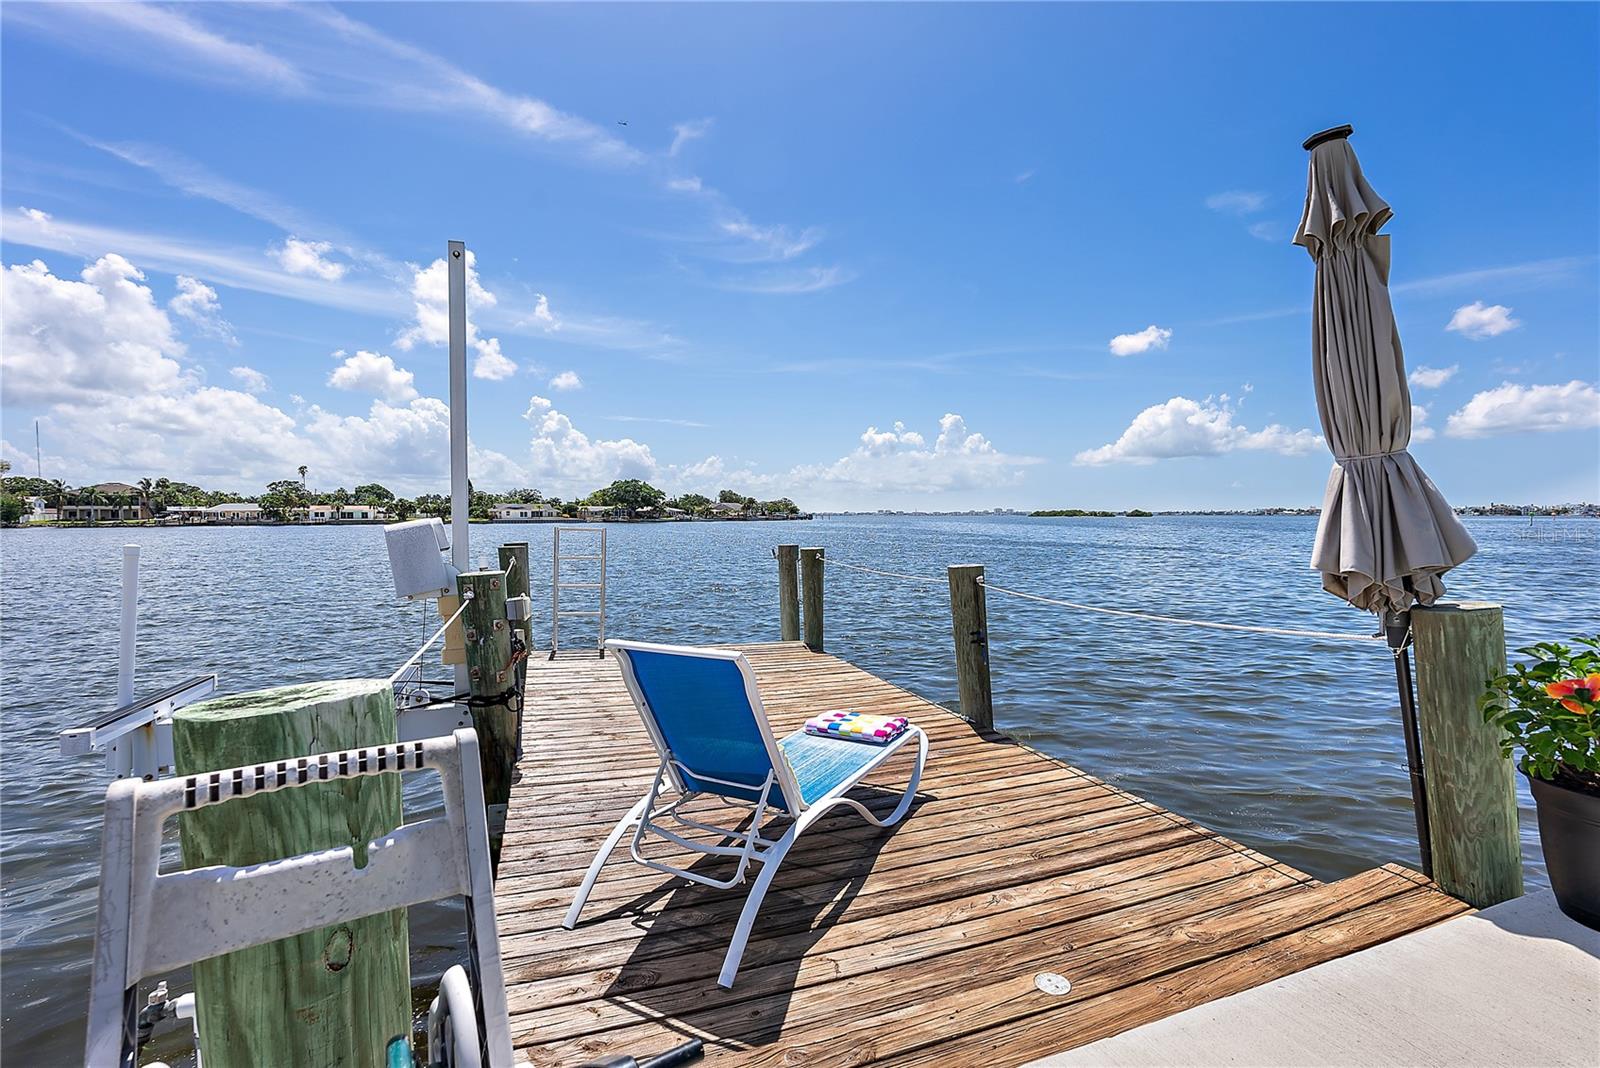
column 704, row 715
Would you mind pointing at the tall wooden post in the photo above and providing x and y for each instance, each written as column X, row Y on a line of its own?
column 492, row 680
column 969, row 626
column 788, row 593
column 1472, row 801
column 811, row 595
column 338, row 995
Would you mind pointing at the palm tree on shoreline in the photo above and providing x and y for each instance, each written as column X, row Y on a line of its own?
column 90, row 495
column 303, row 470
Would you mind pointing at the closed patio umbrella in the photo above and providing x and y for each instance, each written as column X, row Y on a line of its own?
column 1386, row 534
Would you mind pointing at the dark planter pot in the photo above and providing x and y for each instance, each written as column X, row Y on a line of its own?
column 1569, row 831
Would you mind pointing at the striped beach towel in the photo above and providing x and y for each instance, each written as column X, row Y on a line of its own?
column 857, row 727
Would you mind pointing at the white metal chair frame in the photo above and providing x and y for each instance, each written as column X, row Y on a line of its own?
column 150, row 922
column 769, row 853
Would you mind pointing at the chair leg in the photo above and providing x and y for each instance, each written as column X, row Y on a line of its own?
column 752, row 905
column 905, row 799
column 635, row 814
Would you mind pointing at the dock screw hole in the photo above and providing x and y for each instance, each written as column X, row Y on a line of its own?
column 340, row 948
column 1051, row 983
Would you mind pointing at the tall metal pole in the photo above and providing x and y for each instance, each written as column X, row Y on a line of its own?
column 1397, row 629
column 460, row 503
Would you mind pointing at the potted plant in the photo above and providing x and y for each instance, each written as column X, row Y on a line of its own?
column 1549, row 708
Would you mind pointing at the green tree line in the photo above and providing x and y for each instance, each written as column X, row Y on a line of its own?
column 285, row 498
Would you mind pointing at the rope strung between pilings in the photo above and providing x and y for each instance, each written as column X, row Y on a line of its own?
column 1289, row 632
column 1286, row 632
column 886, row 574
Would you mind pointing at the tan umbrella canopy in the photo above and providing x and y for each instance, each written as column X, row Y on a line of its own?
column 1386, row 534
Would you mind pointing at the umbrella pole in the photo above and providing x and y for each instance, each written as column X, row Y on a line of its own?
column 1397, row 630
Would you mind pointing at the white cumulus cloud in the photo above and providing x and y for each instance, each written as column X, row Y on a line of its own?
column 1183, row 427
column 250, row 380
column 101, row 338
column 372, row 372
column 900, row 462
column 1420, row 431
column 1509, row 409
column 1151, row 337
column 491, row 363
column 430, row 294
column 100, row 358
column 197, row 303
column 1478, row 321
column 566, row 457
column 1433, row 377
column 309, row 258
column 566, row 380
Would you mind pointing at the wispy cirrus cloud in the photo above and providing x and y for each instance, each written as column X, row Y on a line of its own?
column 684, row 132
column 798, row 280
column 1529, row 275
column 239, row 268
column 345, row 61
column 1237, row 201
column 195, row 179
column 664, row 420
column 147, row 35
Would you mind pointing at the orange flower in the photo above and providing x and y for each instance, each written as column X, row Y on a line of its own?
column 1576, row 695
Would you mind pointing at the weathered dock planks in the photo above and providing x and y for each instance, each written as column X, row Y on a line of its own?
column 913, row 945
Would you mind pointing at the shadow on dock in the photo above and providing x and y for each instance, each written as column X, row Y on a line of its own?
column 914, row 945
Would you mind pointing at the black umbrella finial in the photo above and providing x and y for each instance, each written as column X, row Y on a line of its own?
column 1336, row 133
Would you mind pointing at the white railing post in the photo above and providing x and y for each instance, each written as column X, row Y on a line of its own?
column 120, row 755
column 460, row 501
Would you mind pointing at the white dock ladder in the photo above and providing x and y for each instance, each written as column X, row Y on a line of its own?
column 594, row 553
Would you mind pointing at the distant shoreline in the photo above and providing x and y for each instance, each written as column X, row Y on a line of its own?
column 152, row 524
column 148, row 524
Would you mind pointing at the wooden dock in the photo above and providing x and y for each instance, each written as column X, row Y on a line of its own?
column 916, row 945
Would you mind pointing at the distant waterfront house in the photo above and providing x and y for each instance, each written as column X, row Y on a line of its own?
column 38, row 510
column 178, row 514
column 598, row 511
column 244, row 512
column 516, row 510
column 361, row 512
column 322, row 513
column 121, row 502
column 727, row 508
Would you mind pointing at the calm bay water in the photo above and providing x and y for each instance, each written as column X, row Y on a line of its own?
column 1288, row 745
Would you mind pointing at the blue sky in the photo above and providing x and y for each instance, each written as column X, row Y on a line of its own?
column 878, row 256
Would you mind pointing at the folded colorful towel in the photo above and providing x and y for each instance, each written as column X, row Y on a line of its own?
column 858, row 727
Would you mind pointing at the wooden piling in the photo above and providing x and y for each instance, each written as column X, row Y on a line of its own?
column 1471, row 791
column 969, row 626
column 338, row 995
column 811, row 596
column 788, row 593
column 492, row 679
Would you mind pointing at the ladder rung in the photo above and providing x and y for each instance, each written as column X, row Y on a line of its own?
column 568, row 556
column 583, row 585
column 572, row 612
